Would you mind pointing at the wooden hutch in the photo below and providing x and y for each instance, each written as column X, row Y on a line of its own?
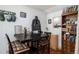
column 69, row 29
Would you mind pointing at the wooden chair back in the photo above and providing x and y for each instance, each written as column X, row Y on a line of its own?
column 10, row 46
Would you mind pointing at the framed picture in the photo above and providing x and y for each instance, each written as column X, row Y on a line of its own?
column 23, row 14
column 49, row 21
column 57, row 22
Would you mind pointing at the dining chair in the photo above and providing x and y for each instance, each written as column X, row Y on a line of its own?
column 10, row 45
column 35, row 43
column 25, row 32
column 45, row 44
column 16, row 47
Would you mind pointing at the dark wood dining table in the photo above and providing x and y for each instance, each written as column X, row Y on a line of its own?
column 29, row 38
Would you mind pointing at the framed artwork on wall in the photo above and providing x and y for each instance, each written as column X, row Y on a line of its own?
column 49, row 21
column 57, row 22
column 23, row 14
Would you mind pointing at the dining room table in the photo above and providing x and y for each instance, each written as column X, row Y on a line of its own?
column 21, row 38
column 29, row 38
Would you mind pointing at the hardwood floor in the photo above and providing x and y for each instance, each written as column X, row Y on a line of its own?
column 45, row 51
column 55, row 51
column 51, row 51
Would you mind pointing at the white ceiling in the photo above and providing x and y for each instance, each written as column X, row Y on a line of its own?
column 48, row 8
column 42, row 7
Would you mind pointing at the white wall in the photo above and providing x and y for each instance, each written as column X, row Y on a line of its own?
column 8, row 27
column 51, row 28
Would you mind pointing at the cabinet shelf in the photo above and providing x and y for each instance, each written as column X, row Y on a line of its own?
column 64, row 29
column 70, row 13
column 64, row 24
column 73, row 33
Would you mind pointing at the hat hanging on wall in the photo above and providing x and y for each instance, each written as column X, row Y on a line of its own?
column 8, row 17
column 13, row 17
column 2, row 18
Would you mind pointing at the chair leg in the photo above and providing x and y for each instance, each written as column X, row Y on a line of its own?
column 49, row 48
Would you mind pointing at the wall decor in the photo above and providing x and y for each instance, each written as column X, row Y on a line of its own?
column 57, row 22
column 13, row 17
column 7, row 12
column 7, row 15
column 49, row 21
column 2, row 18
column 23, row 14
